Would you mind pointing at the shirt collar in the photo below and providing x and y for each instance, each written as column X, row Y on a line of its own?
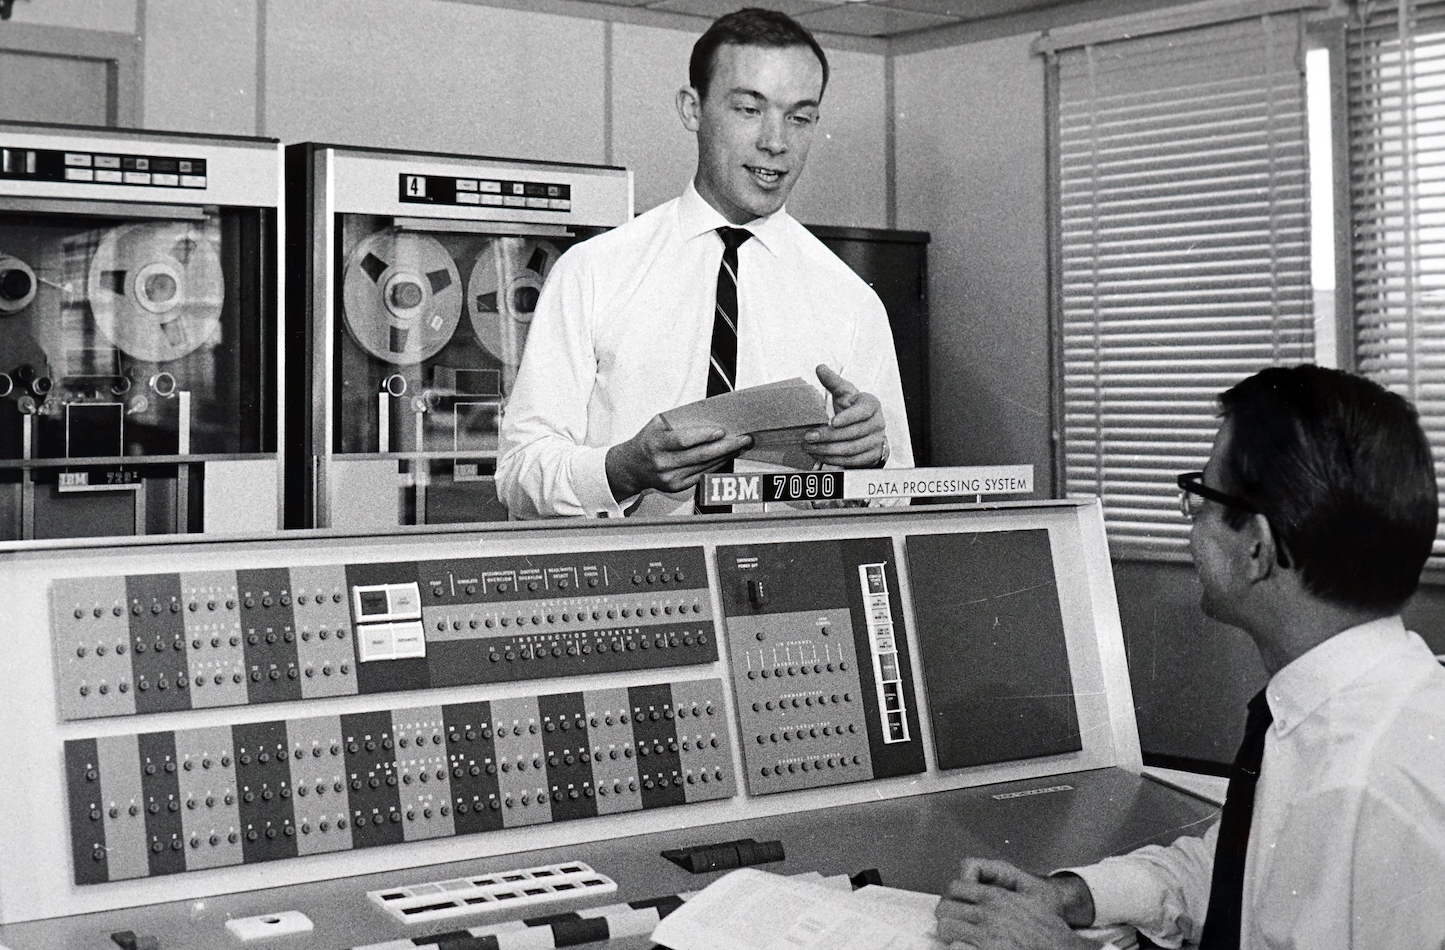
column 1306, row 683
column 696, row 217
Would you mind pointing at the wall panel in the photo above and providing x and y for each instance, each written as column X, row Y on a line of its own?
column 435, row 76
column 649, row 66
column 845, row 182
column 118, row 16
column 200, row 73
column 970, row 170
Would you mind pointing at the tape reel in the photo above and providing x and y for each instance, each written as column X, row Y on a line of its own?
column 156, row 289
column 17, row 285
column 502, row 296
column 401, row 296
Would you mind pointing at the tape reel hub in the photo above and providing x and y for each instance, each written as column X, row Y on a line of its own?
column 404, row 296
column 157, row 287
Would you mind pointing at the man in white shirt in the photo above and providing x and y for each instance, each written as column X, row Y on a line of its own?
column 624, row 327
column 1311, row 523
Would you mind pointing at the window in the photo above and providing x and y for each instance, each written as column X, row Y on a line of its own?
column 1397, row 195
column 1182, row 261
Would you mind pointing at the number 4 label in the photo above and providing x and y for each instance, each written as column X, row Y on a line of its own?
column 416, row 186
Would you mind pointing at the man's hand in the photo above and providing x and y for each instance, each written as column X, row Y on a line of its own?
column 668, row 459
column 854, row 437
column 993, row 904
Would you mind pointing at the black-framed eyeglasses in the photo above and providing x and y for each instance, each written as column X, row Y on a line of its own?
column 1193, row 491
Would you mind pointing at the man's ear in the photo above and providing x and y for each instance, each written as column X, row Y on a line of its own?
column 1262, row 548
column 689, row 107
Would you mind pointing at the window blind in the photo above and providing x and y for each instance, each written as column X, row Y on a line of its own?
column 1396, row 72
column 1183, row 253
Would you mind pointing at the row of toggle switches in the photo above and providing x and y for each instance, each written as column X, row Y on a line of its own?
column 152, row 643
column 168, row 802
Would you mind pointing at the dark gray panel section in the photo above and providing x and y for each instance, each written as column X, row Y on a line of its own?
column 160, row 784
column 263, row 781
column 371, row 770
column 158, row 640
column 995, row 662
column 87, row 820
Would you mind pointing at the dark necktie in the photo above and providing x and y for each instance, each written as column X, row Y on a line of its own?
column 722, row 371
column 1223, row 920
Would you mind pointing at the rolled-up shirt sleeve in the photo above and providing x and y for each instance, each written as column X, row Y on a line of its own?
column 545, row 467
column 1162, row 891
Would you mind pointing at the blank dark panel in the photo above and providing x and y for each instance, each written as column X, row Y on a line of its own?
column 991, row 640
column 895, row 265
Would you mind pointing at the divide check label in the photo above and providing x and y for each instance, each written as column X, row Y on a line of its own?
column 855, row 484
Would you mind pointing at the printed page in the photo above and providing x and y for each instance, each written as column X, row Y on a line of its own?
column 754, row 910
column 913, row 912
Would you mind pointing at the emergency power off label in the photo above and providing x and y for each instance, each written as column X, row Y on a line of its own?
column 855, row 484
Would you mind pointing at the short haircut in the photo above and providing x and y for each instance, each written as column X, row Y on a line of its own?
column 749, row 26
column 1342, row 470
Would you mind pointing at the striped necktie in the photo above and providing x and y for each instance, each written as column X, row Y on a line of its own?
column 1224, row 918
column 722, row 371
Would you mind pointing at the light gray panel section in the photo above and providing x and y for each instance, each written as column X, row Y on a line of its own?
column 800, row 714
column 241, row 496
column 614, row 763
column 90, row 632
column 324, row 643
column 210, row 820
column 318, row 774
column 704, row 739
column 125, row 823
column 421, row 762
column 522, row 768
column 362, row 494
column 216, row 659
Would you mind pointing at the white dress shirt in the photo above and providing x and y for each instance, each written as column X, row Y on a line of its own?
column 622, row 333
column 1347, row 841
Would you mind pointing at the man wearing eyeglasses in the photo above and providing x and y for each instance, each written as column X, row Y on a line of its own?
column 1311, row 523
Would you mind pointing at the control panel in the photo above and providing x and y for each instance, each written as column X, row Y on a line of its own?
column 152, row 643
column 820, row 663
column 206, row 717
column 167, row 802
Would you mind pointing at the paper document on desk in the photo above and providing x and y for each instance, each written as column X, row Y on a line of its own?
column 776, row 415
column 754, row 910
column 915, row 910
